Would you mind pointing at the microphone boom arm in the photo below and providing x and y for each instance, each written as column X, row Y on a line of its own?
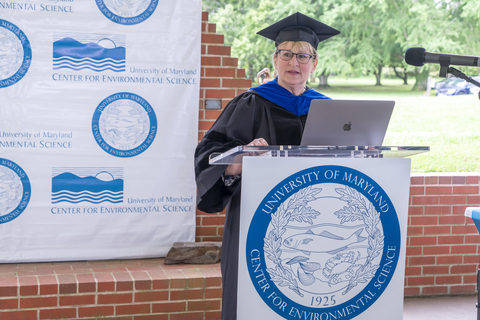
column 459, row 74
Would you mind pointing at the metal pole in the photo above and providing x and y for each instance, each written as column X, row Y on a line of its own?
column 478, row 294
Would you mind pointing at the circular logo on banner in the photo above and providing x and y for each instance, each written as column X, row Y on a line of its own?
column 127, row 12
column 15, row 54
column 15, row 190
column 124, row 124
column 323, row 244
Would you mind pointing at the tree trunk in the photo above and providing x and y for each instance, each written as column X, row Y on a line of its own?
column 420, row 79
column 323, row 80
column 404, row 77
column 378, row 75
column 250, row 73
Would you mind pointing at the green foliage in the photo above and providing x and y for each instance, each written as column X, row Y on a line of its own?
column 374, row 33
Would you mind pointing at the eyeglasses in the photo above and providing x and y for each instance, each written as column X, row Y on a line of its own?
column 288, row 55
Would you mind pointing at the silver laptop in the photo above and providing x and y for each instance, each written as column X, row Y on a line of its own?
column 347, row 122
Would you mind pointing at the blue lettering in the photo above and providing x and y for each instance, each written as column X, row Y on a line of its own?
column 17, row 6
column 55, row 145
column 55, row 8
column 167, row 208
column 181, row 80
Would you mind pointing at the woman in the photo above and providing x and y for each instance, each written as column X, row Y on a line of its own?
column 271, row 114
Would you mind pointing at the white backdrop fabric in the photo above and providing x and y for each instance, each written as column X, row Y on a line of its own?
column 98, row 126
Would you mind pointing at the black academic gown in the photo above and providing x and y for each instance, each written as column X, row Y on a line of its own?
column 247, row 117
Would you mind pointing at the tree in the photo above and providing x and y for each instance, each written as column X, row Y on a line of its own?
column 374, row 33
column 359, row 22
column 240, row 20
column 471, row 20
column 431, row 24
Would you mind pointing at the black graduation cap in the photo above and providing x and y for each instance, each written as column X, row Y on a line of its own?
column 298, row 27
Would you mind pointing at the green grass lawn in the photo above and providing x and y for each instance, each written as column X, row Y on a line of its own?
column 449, row 125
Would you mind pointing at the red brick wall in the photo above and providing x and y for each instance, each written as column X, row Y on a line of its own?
column 222, row 80
column 142, row 289
column 442, row 245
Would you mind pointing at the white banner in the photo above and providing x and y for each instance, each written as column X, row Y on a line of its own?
column 98, row 125
column 323, row 238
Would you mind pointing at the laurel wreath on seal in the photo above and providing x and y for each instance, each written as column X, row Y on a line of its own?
column 358, row 210
column 295, row 210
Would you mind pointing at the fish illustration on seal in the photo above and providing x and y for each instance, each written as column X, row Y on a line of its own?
column 328, row 242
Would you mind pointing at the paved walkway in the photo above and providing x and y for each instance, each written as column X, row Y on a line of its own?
column 440, row 308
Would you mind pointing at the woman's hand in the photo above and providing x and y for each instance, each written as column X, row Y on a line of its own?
column 233, row 169
column 265, row 73
column 258, row 143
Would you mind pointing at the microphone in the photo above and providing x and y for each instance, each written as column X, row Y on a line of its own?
column 417, row 56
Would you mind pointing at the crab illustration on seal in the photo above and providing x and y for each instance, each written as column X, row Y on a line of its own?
column 339, row 268
column 342, row 267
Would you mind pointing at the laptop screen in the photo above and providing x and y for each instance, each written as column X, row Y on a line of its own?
column 347, row 122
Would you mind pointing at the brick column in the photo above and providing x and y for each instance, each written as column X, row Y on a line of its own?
column 442, row 244
column 221, row 80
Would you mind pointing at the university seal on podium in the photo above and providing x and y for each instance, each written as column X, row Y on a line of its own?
column 124, row 124
column 15, row 54
column 323, row 244
column 15, row 190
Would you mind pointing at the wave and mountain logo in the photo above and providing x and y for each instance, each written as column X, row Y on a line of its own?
column 89, row 51
column 88, row 185
column 127, row 12
column 15, row 54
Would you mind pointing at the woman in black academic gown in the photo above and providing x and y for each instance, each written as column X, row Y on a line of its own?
column 271, row 114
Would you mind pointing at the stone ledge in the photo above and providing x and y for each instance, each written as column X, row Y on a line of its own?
column 194, row 253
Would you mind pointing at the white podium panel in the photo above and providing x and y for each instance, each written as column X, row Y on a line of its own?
column 323, row 238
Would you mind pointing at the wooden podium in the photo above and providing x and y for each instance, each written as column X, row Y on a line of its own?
column 322, row 231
